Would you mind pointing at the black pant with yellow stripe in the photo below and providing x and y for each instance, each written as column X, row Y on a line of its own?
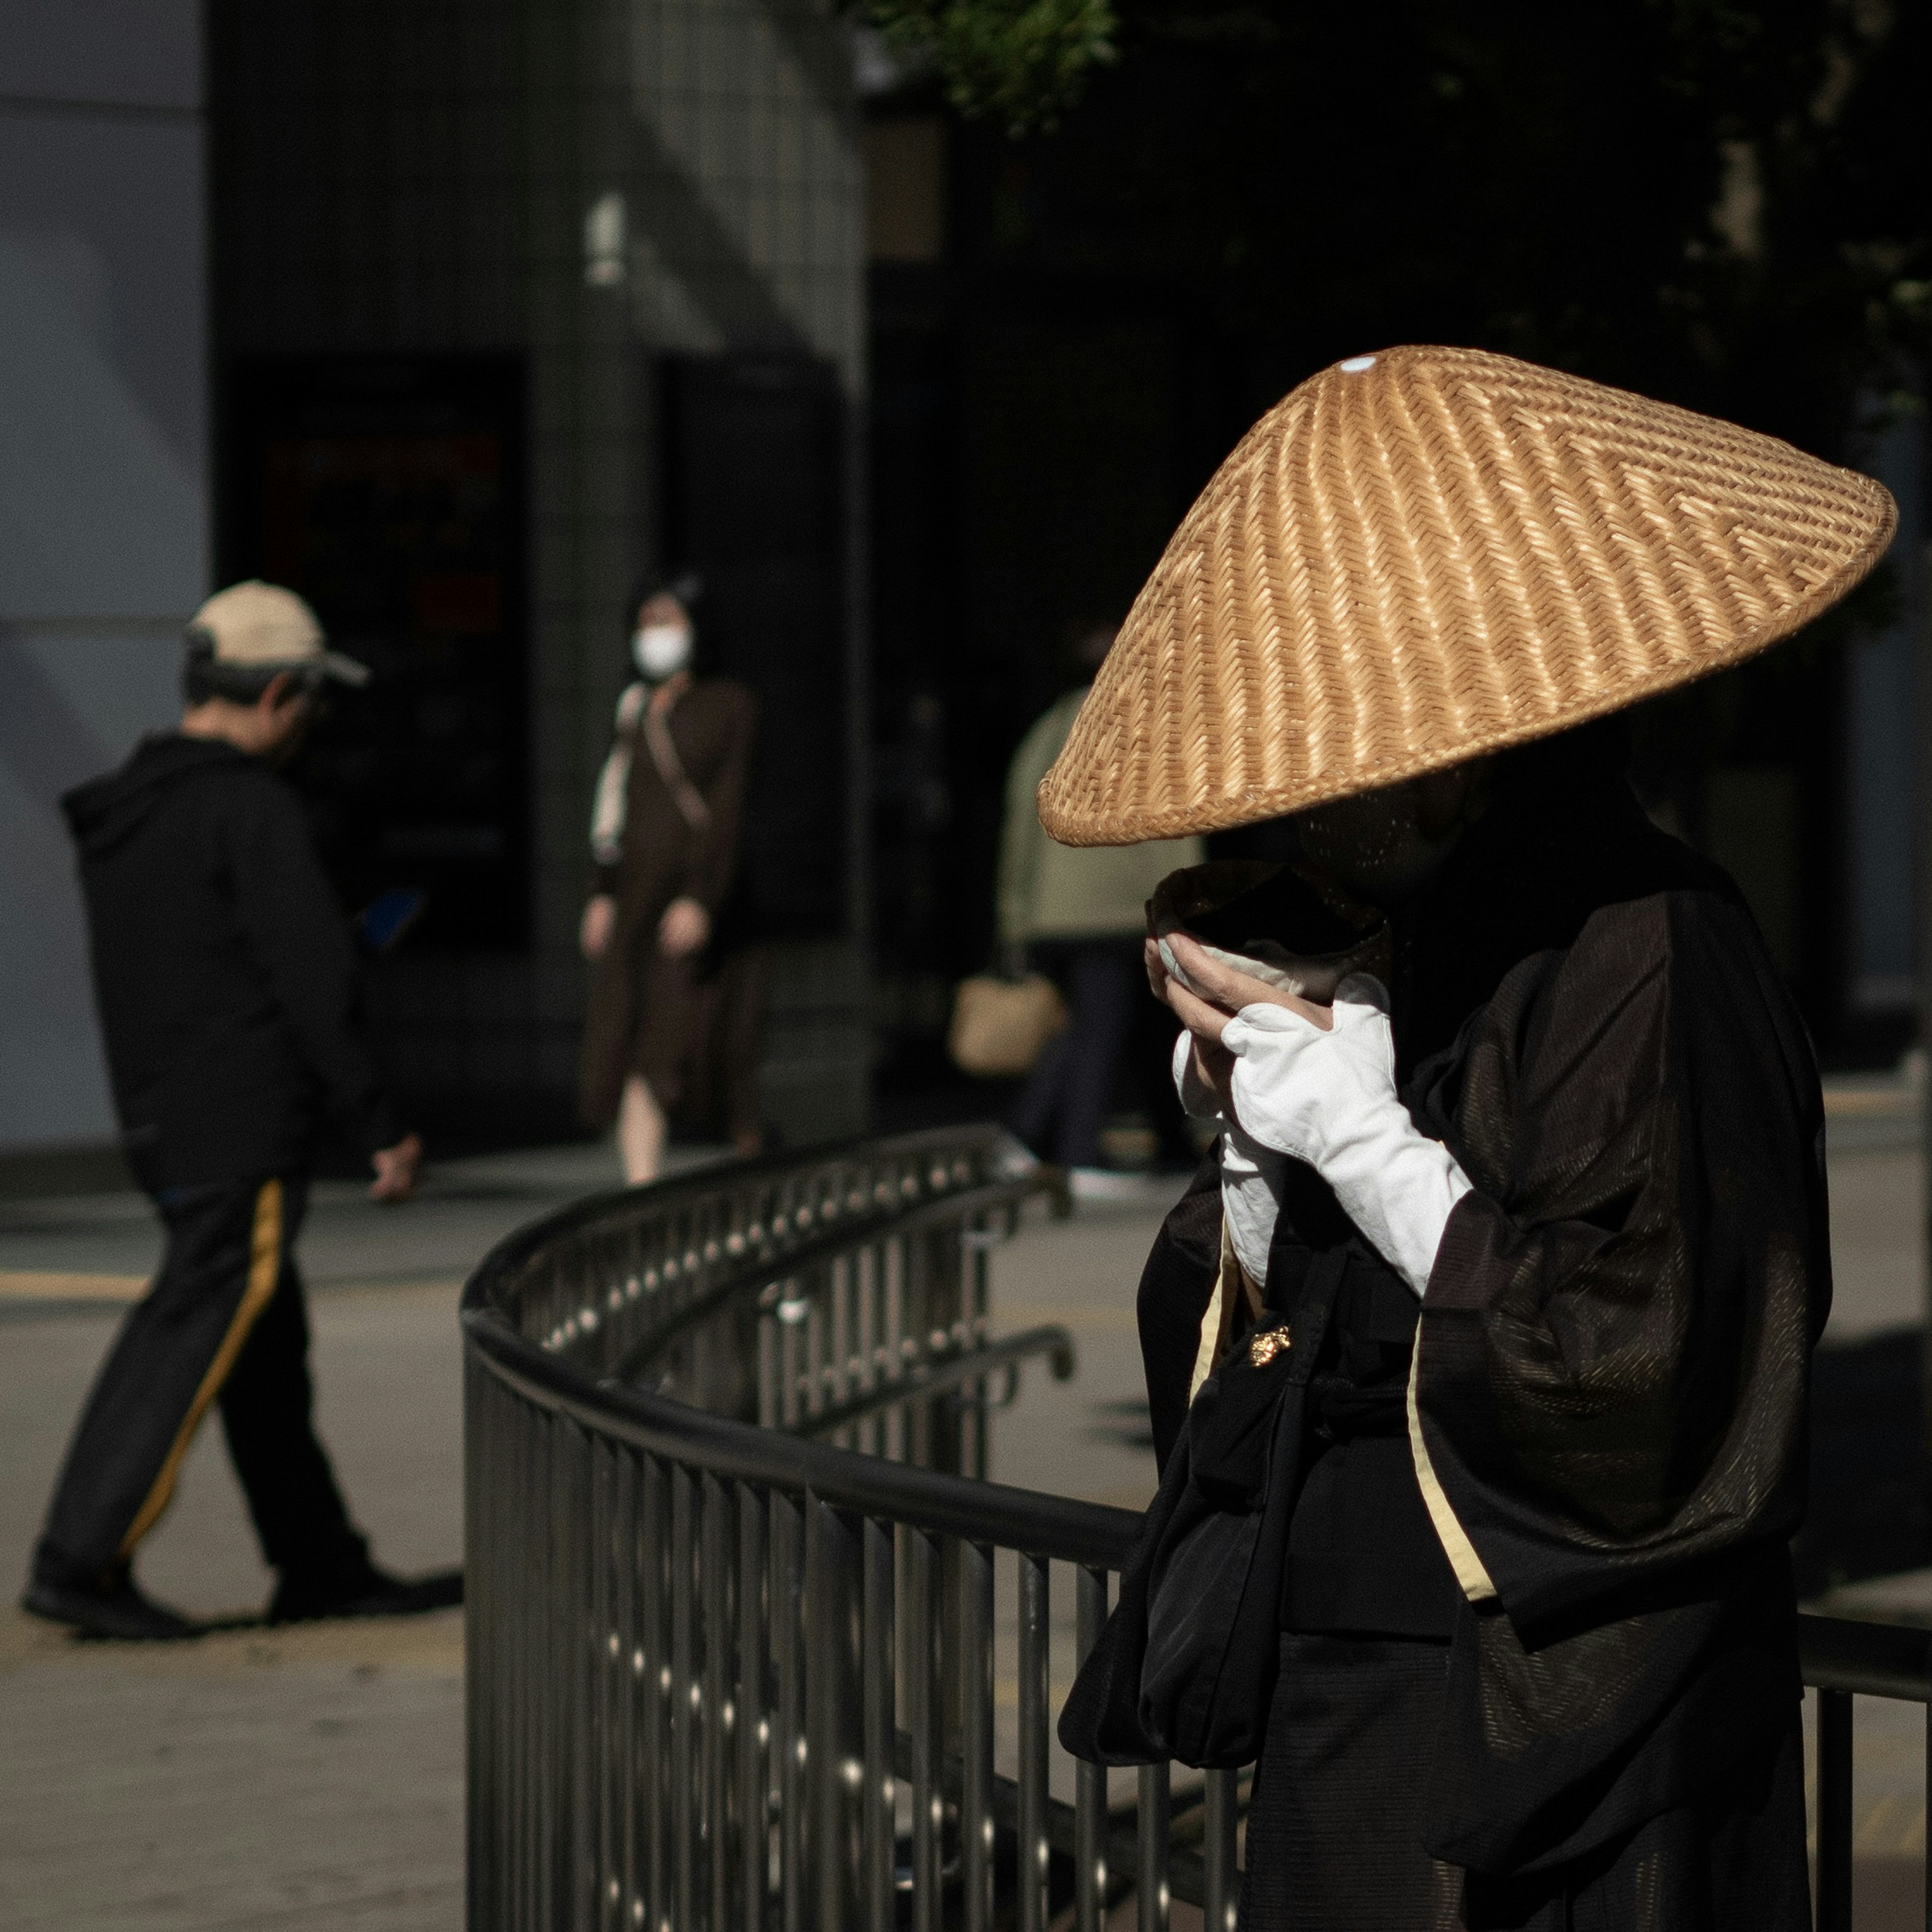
column 224, row 1321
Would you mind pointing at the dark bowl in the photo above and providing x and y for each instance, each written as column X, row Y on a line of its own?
column 1273, row 922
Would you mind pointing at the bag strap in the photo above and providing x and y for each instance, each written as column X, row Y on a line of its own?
column 685, row 795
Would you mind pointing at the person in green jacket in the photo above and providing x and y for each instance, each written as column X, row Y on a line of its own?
column 1077, row 913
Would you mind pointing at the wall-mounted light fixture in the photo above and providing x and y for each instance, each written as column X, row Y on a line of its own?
column 604, row 252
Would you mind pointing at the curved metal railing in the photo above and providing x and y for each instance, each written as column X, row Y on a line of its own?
column 752, row 1641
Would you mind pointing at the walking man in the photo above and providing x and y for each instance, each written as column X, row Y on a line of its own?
column 227, row 988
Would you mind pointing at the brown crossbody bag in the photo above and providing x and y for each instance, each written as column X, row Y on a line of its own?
column 685, row 795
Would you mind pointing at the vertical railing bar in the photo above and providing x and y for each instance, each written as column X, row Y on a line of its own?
column 630, row 1684
column 788, row 1555
column 976, row 1796
column 1834, row 1811
column 832, row 1682
column 523, row 1875
column 1090, row 1780
column 683, row 1683
column 922, row 1717
column 880, row 1723
column 1031, row 1855
column 585, row 1657
column 754, row 1784
column 542, row 1808
column 607, row 1662
column 1151, row 1872
column 655, row 1545
column 1221, row 1888
column 715, row 1547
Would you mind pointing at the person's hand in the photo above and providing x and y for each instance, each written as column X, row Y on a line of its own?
column 684, row 928
column 1206, row 1019
column 396, row 1169
column 600, row 920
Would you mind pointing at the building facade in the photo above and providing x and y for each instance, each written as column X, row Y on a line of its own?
column 517, row 307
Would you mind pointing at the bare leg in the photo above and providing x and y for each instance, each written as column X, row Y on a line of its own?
column 640, row 1132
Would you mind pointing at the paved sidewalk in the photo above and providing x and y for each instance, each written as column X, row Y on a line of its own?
column 309, row 1779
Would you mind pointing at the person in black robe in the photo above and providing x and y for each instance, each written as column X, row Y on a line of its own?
column 1544, row 1207
column 1599, row 1724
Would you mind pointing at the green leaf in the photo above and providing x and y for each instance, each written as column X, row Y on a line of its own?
column 1024, row 62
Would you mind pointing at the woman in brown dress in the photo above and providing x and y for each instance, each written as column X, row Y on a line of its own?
column 675, row 1007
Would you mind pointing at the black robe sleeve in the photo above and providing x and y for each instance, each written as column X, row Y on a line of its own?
column 1615, row 1345
column 1610, row 1387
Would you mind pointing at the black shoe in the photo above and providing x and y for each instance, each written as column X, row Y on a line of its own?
column 363, row 1591
column 115, row 1610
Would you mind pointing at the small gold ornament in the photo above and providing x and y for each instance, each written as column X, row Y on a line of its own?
column 1263, row 1348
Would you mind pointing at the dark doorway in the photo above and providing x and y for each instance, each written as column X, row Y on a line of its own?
column 754, row 483
column 390, row 492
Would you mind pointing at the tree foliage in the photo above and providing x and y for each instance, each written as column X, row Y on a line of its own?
column 1022, row 62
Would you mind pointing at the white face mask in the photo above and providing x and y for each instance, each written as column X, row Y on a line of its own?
column 661, row 649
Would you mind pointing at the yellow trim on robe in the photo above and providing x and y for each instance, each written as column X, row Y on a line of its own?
column 1217, row 1323
column 264, row 1256
column 1470, row 1574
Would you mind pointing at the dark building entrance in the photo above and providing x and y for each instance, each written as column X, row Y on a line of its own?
column 753, row 481
column 390, row 492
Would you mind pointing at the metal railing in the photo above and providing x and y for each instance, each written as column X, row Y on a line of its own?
column 738, row 1588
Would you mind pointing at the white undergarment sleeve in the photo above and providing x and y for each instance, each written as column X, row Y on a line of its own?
column 1328, row 1097
column 1251, row 1183
column 1251, row 1174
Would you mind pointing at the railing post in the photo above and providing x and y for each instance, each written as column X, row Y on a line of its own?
column 1030, row 1856
column 754, row 1777
column 1090, row 1780
column 1221, row 1880
column 881, row 1792
column 1834, row 1811
column 788, row 1740
column 923, row 1723
column 684, row 1693
column 654, row 1690
column 714, row 1545
column 834, row 1584
column 975, row 1795
column 1150, row 1875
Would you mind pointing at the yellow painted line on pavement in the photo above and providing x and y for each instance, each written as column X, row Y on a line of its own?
column 17, row 1286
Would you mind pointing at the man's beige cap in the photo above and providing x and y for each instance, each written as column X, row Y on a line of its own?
column 258, row 626
column 1426, row 554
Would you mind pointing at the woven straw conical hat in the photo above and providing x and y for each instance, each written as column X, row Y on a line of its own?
column 1424, row 555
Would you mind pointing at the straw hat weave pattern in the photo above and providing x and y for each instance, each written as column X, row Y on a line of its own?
column 1421, row 555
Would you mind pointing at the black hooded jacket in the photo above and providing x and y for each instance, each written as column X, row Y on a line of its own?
column 225, row 974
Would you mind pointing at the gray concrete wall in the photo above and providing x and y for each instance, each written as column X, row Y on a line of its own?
column 103, row 416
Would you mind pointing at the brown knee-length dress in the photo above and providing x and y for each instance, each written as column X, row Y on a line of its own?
column 670, row 812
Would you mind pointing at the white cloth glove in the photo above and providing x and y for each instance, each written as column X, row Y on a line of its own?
column 1252, row 1175
column 1329, row 1098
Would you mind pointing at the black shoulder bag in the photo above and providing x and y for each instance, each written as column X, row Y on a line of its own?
column 1186, row 1666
